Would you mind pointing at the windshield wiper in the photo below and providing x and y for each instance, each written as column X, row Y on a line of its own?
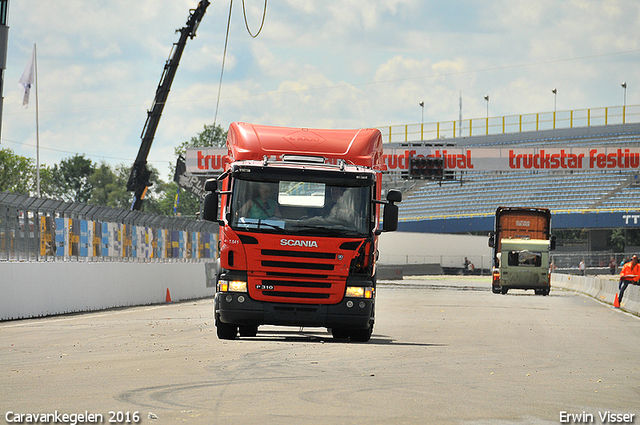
column 258, row 225
column 325, row 230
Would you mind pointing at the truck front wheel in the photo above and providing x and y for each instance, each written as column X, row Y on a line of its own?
column 226, row 330
column 362, row 335
column 248, row 330
column 339, row 333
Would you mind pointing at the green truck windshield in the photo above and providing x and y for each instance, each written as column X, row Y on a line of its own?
column 525, row 258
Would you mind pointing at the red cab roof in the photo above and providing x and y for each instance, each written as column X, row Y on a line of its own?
column 249, row 141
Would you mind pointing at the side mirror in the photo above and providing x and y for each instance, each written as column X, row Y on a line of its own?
column 390, row 217
column 211, row 185
column 552, row 243
column 491, row 240
column 210, row 207
column 390, row 213
column 394, row 196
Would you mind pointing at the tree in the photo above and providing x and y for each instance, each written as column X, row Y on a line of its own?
column 110, row 187
column 73, row 178
column 208, row 137
column 47, row 182
column 102, row 181
column 119, row 196
column 189, row 204
column 622, row 237
column 17, row 173
column 78, row 179
column 155, row 193
column 571, row 237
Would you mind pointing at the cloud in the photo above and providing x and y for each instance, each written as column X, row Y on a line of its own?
column 335, row 63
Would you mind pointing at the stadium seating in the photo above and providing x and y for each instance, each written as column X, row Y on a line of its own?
column 476, row 193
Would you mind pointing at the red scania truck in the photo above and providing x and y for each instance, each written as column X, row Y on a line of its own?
column 299, row 214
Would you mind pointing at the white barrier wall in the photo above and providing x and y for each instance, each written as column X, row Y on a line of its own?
column 604, row 290
column 434, row 248
column 43, row 289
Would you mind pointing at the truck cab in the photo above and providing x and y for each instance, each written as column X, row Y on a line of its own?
column 521, row 242
column 524, row 264
column 298, row 231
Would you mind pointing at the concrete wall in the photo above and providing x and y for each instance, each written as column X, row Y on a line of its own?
column 42, row 289
column 602, row 289
column 48, row 288
column 447, row 250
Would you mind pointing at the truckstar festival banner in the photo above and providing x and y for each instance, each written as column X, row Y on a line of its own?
column 209, row 160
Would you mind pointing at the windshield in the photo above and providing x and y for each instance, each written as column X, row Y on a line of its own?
column 299, row 207
column 525, row 258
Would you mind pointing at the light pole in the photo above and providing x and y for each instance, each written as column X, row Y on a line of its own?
column 624, row 101
column 4, row 41
column 555, row 98
column 487, row 99
column 422, row 122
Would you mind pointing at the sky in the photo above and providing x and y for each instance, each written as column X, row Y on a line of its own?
column 315, row 64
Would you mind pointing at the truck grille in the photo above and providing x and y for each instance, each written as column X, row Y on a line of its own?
column 302, row 266
column 285, row 276
column 282, row 253
column 297, row 284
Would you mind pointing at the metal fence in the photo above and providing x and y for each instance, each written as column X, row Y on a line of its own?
column 38, row 229
column 480, row 264
column 512, row 124
column 595, row 262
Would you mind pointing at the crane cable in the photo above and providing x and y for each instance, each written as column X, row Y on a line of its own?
column 224, row 57
column 246, row 24
column 224, row 54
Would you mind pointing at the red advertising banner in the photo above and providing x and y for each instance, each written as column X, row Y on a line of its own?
column 205, row 160
column 209, row 160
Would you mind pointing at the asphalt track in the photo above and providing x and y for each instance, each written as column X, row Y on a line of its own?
column 444, row 351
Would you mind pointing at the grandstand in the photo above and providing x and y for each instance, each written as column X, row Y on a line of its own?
column 578, row 198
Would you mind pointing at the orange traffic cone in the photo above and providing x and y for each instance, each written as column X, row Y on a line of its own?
column 616, row 302
column 169, row 296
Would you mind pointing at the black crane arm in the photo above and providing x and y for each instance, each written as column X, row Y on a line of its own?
column 139, row 177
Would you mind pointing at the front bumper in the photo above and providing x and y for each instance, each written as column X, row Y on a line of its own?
column 239, row 309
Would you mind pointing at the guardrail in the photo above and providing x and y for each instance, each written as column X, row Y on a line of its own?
column 39, row 229
column 511, row 124
column 601, row 288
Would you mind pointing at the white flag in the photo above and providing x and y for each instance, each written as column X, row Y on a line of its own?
column 26, row 81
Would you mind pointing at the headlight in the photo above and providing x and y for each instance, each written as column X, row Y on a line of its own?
column 232, row 286
column 359, row 292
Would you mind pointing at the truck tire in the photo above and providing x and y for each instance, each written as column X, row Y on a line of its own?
column 339, row 333
column 503, row 291
column 248, row 330
column 226, row 330
column 362, row 335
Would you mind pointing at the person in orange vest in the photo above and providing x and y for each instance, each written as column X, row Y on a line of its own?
column 630, row 274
